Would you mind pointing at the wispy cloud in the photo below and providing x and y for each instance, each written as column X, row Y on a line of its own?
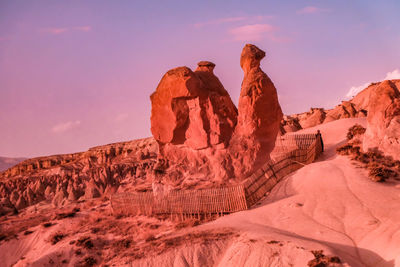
column 227, row 20
column 254, row 32
column 311, row 10
column 257, row 32
column 393, row 75
column 65, row 126
column 354, row 90
column 83, row 28
column 219, row 21
column 54, row 31
column 61, row 30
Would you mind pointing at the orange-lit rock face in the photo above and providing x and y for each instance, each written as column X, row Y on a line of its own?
column 259, row 115
column 199, row 129
column 383, row 130
column 192, row 108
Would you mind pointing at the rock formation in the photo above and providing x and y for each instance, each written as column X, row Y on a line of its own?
column 70, row 177
column 199, row 130
column 192, row 109
column 383, row 129
column 259, row 115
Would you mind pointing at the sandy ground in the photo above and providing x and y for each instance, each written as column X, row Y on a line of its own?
column 329, row 205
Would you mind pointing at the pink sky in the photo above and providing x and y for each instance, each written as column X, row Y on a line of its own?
column 79, row 74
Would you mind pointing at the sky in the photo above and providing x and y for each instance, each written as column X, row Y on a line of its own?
column 76, row 74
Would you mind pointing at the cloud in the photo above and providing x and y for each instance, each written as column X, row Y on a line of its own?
column 65, row 126
column 311, row 10
column 254, row 32
column 393, row 75
column 83, row 28
column 354, row 90
column 248, row 19
column 57, row 31
column 54, row 31
column 219, row 21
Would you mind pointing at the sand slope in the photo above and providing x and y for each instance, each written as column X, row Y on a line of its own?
column 329, row 205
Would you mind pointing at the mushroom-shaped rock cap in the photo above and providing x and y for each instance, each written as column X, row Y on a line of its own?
column 205, row 66
column 251, row 57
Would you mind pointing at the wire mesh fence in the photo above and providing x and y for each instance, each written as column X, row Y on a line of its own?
column 291, row 153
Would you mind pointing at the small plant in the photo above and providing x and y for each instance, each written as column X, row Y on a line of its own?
column 380, row 174
column 56, row 237
column 85, row 242
column 89, row 261
column 380, row 167
column 321, row 260
column 47, row 224
column 356, row 129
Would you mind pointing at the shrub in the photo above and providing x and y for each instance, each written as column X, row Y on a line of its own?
column 356, row 129
column 56, row 237
column 380, row 174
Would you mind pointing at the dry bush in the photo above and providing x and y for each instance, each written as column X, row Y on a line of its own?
column 47, row 224
column 321, row 260
column 379, row 173
column 89, row 261
column 65, row 215
column 122, row 244
column 56, row 237
column 356, row 129
column 380, row 167
column 85, row 242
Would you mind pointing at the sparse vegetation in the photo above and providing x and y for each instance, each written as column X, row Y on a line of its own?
column 89, row 261
column 85, row 242
column 321, row 260
column 47, row 224
column 28, row 232
column 56, row 237
column 356, row 129
column 380, row 167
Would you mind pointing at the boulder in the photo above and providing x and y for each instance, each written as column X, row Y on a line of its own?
column 192, row 108
column 259, row 116
column 383, row 128
column 315, row 117
column 342, row 111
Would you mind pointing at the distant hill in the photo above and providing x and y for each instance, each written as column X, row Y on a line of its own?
column 6, row 163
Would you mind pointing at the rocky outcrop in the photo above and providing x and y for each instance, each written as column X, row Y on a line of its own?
column 192, row 109
column 290, row 124
column 259, row 115
column 312, row 118
column 383, row 129
column 201, row 134
column 71, row 177
column 342, row 111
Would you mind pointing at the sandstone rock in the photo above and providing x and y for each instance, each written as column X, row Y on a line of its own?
column 192, row 108
column 290, row 124
column 383, row 128
column 91, row 191
column 14, row 197
column 259, row 115
column 342, row 111
column 21, row 203
column 48, row 192
column 315, row 117
column 59, row 198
